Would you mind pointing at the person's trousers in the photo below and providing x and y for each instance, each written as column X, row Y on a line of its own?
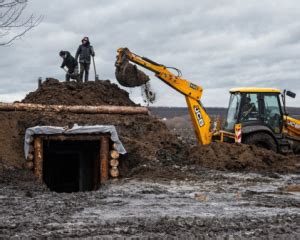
column 72, row 73
column 84, row 68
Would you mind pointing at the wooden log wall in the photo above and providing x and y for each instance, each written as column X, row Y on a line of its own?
column 108, row 158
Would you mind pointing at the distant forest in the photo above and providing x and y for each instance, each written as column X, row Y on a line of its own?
column 170, row 112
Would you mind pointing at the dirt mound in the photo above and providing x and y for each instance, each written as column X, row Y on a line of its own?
column 239, row 157
column 100, row 92
column 151, row 146
column 146, row 139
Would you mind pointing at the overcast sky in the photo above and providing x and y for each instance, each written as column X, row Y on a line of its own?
column 217, row 44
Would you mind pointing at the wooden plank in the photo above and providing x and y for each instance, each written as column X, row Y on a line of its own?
column 38, row 158
column 104, row 157
column 73, row 137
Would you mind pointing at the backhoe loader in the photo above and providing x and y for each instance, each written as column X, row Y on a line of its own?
column 255, row 115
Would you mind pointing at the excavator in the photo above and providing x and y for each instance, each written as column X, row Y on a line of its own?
column 255, row 116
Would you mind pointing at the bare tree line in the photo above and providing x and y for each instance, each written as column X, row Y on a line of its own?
column 13, row 24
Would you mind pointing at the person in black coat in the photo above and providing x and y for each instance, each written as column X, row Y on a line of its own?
column 84, row 52
column 72, row 65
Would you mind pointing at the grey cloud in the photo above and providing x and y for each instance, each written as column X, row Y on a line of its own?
column 217, row 44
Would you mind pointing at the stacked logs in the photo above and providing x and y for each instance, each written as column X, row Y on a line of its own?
column 30, row 157
column 114, row 162
column 34, row 159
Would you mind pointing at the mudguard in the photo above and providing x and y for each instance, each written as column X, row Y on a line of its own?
column 257, row 128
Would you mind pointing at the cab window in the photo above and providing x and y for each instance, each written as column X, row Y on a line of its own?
column 233, row 109
column 272, row 116
column 249, row 108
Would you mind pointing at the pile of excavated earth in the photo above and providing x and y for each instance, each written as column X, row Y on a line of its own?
column 153, row 151
column 91, row 93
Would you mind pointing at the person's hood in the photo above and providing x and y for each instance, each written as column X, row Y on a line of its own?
column 88, row 40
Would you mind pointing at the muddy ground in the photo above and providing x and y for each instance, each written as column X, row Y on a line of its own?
column 168, row 186
column 199, row 203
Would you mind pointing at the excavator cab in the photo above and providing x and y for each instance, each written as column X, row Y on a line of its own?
column 261, row 113
column 255, row 109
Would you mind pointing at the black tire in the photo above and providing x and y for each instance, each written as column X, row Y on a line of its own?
column 261, row 139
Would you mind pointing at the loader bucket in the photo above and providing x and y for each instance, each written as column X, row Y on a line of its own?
column 128, row 75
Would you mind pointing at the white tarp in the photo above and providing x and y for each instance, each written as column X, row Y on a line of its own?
column 74, row 130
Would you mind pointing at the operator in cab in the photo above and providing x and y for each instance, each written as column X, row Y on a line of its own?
column 247, row 108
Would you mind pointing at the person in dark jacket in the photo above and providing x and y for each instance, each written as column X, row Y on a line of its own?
column 84, row 52
column 72, row 65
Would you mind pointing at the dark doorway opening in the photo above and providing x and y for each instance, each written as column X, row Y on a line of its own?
column 71, row 166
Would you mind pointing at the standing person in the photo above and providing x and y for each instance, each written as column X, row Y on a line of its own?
column 72, row 65
column 84, row 52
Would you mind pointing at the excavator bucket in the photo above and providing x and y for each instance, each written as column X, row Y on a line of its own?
column 128, row 75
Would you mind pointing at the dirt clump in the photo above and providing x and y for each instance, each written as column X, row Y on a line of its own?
column 129, row 75
column 100, row 92
column 241, row 157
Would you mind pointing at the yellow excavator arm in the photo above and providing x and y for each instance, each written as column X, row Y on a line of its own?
column 192, row 92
